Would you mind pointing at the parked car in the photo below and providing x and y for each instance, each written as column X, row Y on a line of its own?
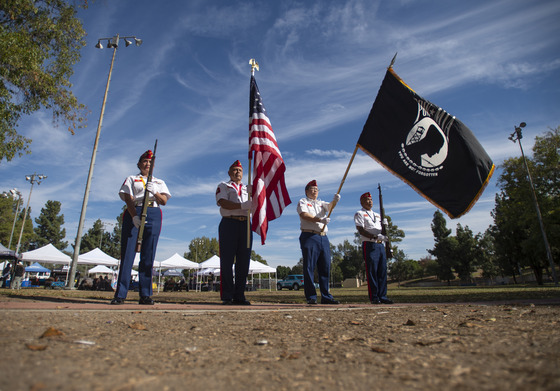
column 293, row 281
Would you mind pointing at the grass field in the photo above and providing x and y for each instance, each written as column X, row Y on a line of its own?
column 345, row 295
column 426, row 295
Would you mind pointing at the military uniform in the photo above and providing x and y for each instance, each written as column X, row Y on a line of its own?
column 134, row 186
column 233, row 241
column 315, row 248
column 373, row 252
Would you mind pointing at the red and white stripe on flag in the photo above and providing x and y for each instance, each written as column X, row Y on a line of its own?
column 270, row 195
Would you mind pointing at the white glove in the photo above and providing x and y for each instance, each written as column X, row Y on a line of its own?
column 136, row 220
column 382, row 238
column 325, row 220
column 246, row 205
column 150, row 188
column 336, row 198
column 385, row 222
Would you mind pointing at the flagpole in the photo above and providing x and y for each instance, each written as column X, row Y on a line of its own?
column 249, row 211
column 342, row 181
column 353, row 155
column 254, row 65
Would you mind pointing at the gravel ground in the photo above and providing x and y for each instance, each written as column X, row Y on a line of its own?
column 94, row 346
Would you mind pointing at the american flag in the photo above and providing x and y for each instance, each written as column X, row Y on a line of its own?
column 270, row 195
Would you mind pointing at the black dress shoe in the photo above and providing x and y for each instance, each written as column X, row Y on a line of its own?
column 329, row 301
column 146, row 300
column 117, row 300
column 312, row 301
column 375, row 302
column 227, row 302
column 386, row 301
column 241, row 302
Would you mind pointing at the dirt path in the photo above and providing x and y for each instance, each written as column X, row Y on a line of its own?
column 95, row 346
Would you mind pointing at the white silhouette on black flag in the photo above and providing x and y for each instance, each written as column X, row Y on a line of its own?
column 432, row 151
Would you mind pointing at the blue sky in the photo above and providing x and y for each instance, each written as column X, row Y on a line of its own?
column 493, row 64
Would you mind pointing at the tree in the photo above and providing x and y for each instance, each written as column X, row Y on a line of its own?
column 517, row 234
column 111, row 244
column 7, row 213
column 428, row 266
column 282, row 272
column 49, row 227
column 466, row 256
column 349, row 259
column 8, row 206
column 546, row 172
column 93, row 237
column 400, row 269
column 201, row 249
column 336, row 274
column 40, row 41
column 298, row 268
column 487, row 260
column 258, row 258
column 444, row 248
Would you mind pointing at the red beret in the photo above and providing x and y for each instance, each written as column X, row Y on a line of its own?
column 312, row 183
column 365, row 195
column 146, row 155
column 235, row 164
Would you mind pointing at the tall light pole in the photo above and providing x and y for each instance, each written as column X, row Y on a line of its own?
column 33, row 179
column 517, row 136
column 102, row 231
column 14, row 192
column 111, row 43
column 196, row 243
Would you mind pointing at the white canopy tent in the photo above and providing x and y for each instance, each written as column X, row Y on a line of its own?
column 208, row 271
column 3, row 265
column 211, row 263
column 6, row 253
column 208, row 267
column 255, row 267
column 46, row 254
column 176, row 262
column 100, row 269
column 173, row 273
column 97, row 257
column 212, row 266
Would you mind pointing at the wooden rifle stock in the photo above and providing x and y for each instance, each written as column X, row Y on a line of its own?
column 388, row 250
column 145, row 203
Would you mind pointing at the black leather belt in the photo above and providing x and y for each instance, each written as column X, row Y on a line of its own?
column 240, row 218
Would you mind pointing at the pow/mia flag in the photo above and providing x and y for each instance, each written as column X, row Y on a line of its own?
column 432, row 151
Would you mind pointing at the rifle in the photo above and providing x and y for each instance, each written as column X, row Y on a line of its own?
column 145, row 204
column 388, row 250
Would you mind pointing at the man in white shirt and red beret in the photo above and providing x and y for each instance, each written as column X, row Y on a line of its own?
column 132, row 193
column 233, row 199
column 368, row 223
column 314, row 243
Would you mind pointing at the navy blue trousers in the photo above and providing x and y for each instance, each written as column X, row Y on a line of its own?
column 316, row 253
column 233, row 249
column 150, row 238
column 376, row 270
